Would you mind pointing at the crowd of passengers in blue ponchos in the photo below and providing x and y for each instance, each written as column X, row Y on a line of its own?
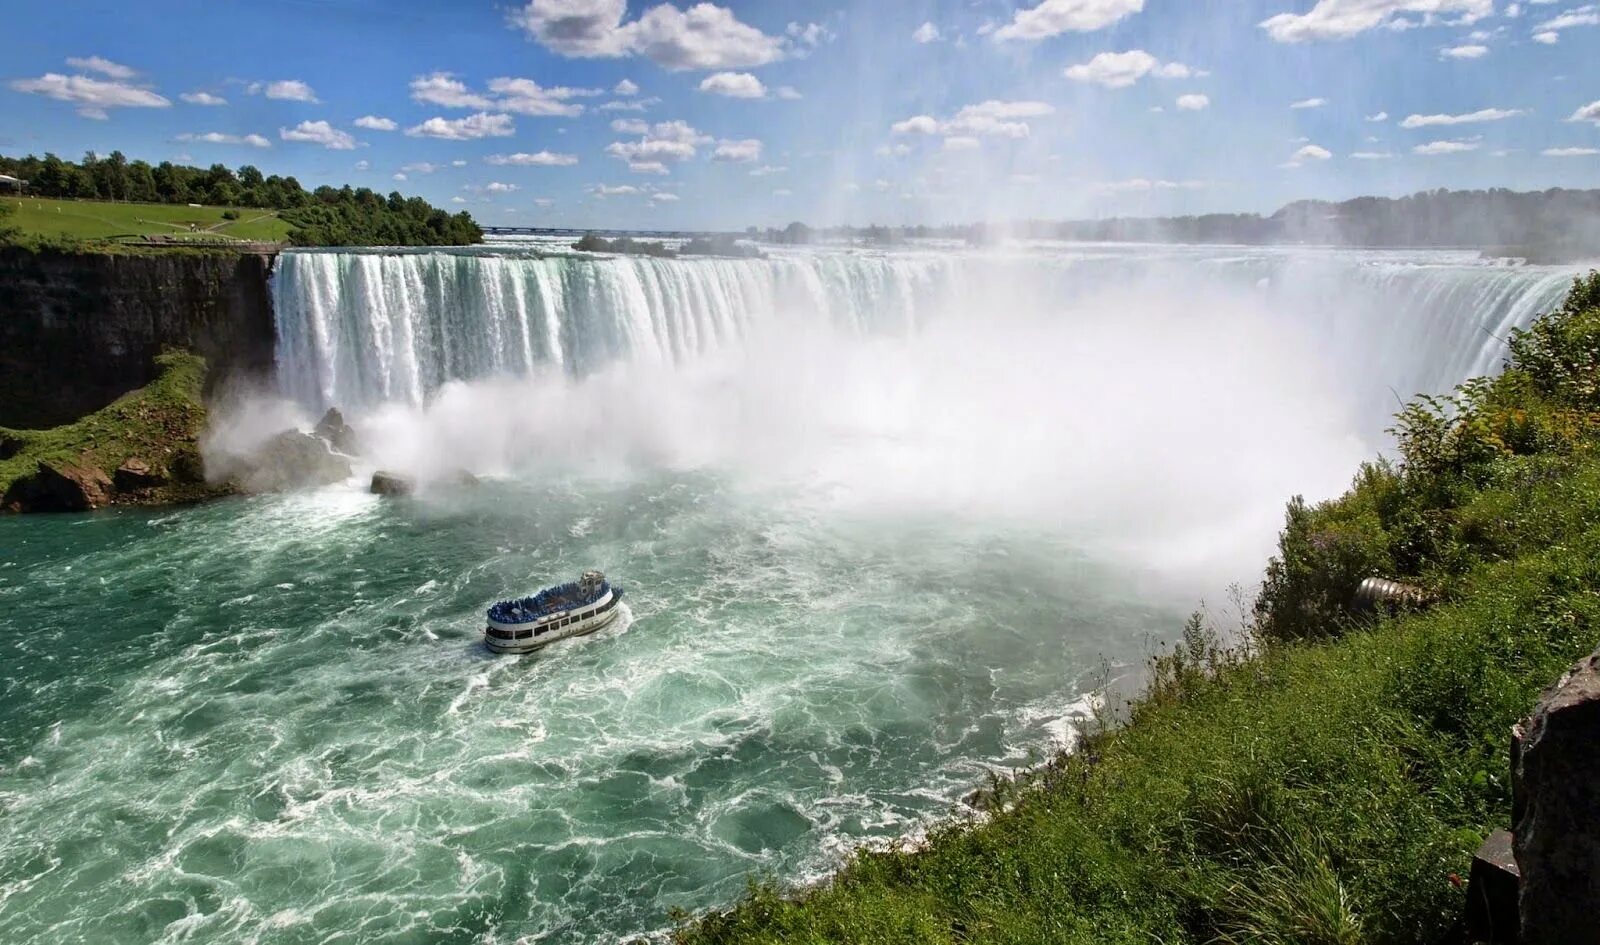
column 549, row 601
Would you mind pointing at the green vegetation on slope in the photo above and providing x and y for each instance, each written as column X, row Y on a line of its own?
column 160, row 424
column 1328, row 782
column 278, row 208
column 102, row 220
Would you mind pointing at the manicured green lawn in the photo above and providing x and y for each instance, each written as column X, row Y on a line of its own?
column 97, row 220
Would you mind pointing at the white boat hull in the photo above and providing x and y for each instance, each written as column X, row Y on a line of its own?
column 532, row 637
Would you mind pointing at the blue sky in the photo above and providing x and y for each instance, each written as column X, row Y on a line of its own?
column 622, row 113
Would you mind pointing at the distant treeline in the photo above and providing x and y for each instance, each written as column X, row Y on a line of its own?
column 1476, row 218
column 326, row 216
column 725, row 245
column 1544, row 223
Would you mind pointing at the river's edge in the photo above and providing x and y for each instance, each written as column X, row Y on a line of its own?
column 1340, row 771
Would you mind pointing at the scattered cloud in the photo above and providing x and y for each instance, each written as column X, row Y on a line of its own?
column 1342, row 19
column 217, row 137
column 1120, row 70
column 766, row 170
column 1548, row 38
column 1570, row 152
column 1054, row 17
column 1470, row 118
column 375, row 123
column 103, row 66
column 705, row 36
column 927, row 33
column 1473, row 51
column 319, row 132
column 203, row 98
column 1194, row 103
column 398, row 175
column 284, row 90
column 733, row 85
column 420, row 167
column 363, row 165
column 788, row 93
column 987, row 119
column 1456, row 146
column 1310, row 152
column 1589, row 112
column 1309, row 103
column 505, row 94
column 962, row 143
column 93, row 97
column 604, row 190
column 470, row 128
column 743, row 151
column 1381, row 116
column 625, row 88
column 1372, row 155
column 658, row 145
column 536, row 159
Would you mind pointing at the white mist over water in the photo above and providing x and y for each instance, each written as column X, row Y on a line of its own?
column 1156, row 404
column 880, row 518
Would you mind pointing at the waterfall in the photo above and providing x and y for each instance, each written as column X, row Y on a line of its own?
column 359, row 329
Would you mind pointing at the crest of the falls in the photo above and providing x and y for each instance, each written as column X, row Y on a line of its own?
column 363, row 329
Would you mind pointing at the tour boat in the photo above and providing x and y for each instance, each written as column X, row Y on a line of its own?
column 553, row 614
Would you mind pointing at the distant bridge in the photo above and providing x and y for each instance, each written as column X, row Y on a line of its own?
column 606, row 234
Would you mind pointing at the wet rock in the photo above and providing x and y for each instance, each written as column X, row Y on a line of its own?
column 1558, row 831
column 339, row 434
column 388, row 483
column 63, row 487
column 293, row 460
column 136, row 474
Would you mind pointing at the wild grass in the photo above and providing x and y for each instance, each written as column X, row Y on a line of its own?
column 1329, row 782
column 159, row 423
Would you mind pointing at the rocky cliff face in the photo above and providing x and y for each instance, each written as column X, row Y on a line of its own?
column 78, row 331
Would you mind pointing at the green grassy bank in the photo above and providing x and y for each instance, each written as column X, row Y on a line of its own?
column 47, row 219
column 159, row 424
column 1329, row 781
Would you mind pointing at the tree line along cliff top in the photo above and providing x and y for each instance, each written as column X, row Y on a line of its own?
column 134, row 203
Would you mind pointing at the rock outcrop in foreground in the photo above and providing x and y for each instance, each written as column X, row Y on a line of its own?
column 1558, row 830
column 143, row 449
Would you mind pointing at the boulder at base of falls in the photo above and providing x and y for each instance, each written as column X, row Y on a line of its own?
column 339, row 434
column 135, row 475
column 59, row 487
column 1557, row 786
column 293, row 460
column 388, row 483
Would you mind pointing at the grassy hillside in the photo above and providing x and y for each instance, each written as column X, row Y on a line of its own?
column 160, row 424
column 36, row 218
column 1329, row 782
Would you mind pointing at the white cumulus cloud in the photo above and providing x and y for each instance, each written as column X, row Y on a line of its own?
column 536, row 159
column 319, row 132
column 743, row 151
column 1054, row 17
column 705, row 36
column 93, row 97
column 1570, row 152
column 285, row 90
column 1456, row 146
column 1194, row 103
column 375, row 123
column 217, row 137
column 733, row 85
column 470, row 128
column 1470, row 118
column 1464, row 52
column 203, row 98
column 1342, row 19
column 1309, row 103
column 115, row 70
column 927, row 33
column 1120, row 70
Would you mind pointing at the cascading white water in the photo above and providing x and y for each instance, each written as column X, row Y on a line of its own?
column 361, row 329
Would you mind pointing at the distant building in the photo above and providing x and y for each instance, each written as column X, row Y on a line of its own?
column 12, row 185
